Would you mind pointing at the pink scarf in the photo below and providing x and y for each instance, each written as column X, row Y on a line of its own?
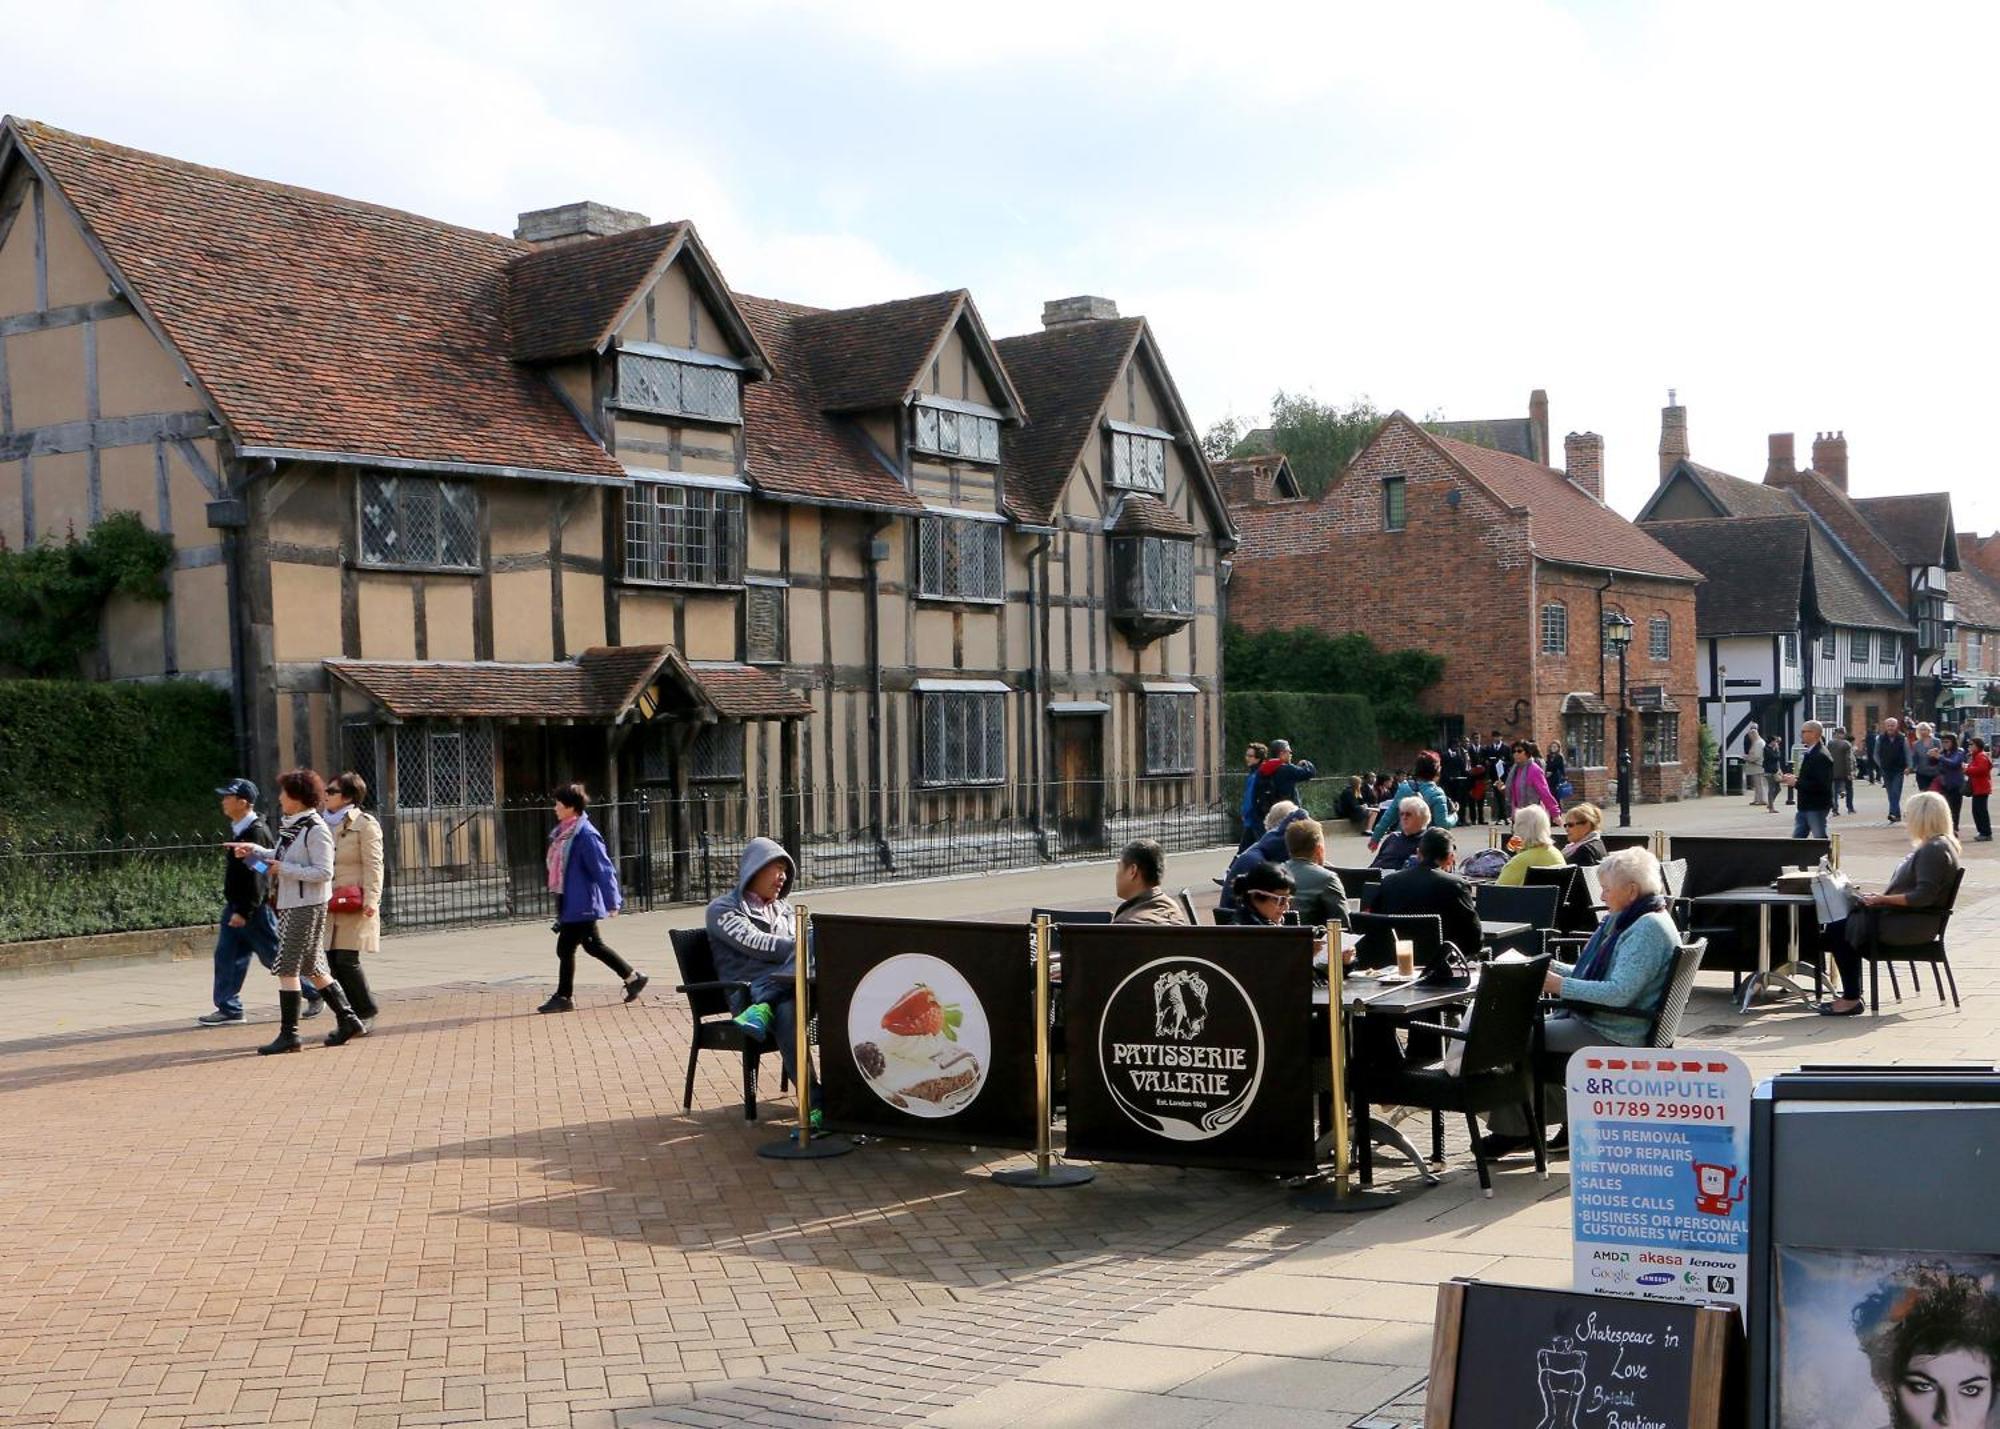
column 559, row 842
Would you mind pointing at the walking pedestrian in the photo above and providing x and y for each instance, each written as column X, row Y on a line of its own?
column 1774, row 764
column 354, row 913
column 1979, row 784
column 1923, row 758
column 1951, row 777
column 1253, row 815
column 249, row 928
column 1813, row 784
column 1840, row 749
column 586, row 889
column 301, row 860
column 1753, row 763
column 1892, row 757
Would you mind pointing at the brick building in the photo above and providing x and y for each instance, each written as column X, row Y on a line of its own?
column 1506, row 568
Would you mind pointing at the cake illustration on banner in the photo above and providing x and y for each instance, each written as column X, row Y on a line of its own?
column 919, row 1035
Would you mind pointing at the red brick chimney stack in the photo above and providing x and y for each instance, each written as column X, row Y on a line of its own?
column 1538, row 418
column 1830, row 457
column 1583, row 461
column 1673, row 434
column 1784, row 462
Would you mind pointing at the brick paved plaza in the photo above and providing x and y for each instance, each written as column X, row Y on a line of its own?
column 484, row 1216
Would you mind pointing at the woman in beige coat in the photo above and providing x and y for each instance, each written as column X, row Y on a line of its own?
column 357, row 863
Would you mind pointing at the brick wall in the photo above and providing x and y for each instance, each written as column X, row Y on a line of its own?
column 1459, row 580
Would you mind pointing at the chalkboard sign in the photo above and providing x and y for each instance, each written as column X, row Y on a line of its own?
column 1512, row 1357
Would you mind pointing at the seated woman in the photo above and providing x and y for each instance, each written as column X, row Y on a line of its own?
column 1263, row 895
column 1905, row 913
column 1586, row 843
column 1348, row 804
column 1612, row 991
column 1531, row 844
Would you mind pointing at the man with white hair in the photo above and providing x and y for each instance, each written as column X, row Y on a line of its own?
column 1613, row 990
column 1399, row 849
column 1892, row 758
column 1814, row 783
column 1268, row 849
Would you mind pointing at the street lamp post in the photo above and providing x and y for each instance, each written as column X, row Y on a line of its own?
column 1722, row 730
column 1618, row 635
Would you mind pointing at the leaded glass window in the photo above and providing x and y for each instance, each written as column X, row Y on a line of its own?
column 1555, row 629
column 1138, row 463
column 960, row 559
column 1170, row 737
column 964, row 737
column 678, row 389
column 419, row 521
column 945, row 431
column 683, row 535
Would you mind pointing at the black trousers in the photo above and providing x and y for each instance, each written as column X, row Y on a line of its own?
column 1981, row 818
column 570, row 937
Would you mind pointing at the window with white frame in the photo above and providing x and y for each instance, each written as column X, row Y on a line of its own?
column 960, row 559
column 419, row 521
column 1791, row 648
column 673, row 388
column 1660, row 737
column 717, row 754
column 444, row 766
column 1826, row 708
column 1975, row 650
column 683, row 535
column 1659, row 638
column 964, row 737
column 1170, row 737
column 1583, row 732
column 946, row 431
column 1555, row 628
column 1829, row 646
column 1138, row 463
column 764, row 624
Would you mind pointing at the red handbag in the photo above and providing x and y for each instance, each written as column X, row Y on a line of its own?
column 346, row 900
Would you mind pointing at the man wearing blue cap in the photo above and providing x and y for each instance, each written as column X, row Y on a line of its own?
column 249, row 927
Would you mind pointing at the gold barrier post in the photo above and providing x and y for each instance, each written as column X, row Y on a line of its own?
column 1044, row 1173
column 806, row 1146
column 1834, row 840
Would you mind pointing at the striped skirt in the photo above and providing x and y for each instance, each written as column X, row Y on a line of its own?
column 301, row 931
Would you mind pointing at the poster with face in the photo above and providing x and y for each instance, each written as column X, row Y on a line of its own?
column 1894, row 1338
column 926, row 1029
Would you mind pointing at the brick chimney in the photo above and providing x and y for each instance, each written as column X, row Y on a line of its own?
column 1583, row 461
column 1066, row 312
column 1783, row 464
column 575, row 222
column 1673, row 434
column 1830, row 457
column 1538, row 418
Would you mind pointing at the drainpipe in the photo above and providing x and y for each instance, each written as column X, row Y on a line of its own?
column 1037, row 690
column 874, row 551
column 1609, row 579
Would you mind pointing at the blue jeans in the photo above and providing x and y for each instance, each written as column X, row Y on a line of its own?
column 779, row 991
column 1809, row 823
column 1893, row 782
column 234, row 947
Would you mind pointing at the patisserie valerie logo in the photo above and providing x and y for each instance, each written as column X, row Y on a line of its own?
column 919, row 1035
column 1181, row 1049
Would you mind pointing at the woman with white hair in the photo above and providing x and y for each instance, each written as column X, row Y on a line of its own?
column 1613, row 990
column 1531, row 844
column 1903, row 914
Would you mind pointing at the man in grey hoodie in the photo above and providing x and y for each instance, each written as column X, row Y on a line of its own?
column 754, row 939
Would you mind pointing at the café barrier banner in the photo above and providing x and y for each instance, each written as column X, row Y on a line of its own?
column 926, row 1029
column 1660, row 1173
column 1190, row 1047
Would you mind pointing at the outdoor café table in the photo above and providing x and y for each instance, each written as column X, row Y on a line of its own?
column 1491, row 932
column 1399, row 1002
column 1764, row 900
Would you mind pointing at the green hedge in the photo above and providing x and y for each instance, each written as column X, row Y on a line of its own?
column 1392, row 681
column 68, row 895
column 83, row 760
column 1336, row 732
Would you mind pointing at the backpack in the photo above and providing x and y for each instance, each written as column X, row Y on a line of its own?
column 1264, row 793
column 1487, row 863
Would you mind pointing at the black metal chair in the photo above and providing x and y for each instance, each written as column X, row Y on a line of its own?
column 1673, row 1002
column 1877, row 954
column 1354, row 882
column 1575, row 912
column 1378, row 933
column 1535, row 906
column 1497, row 1069
column 1224, row 917
column 715, row 1028
column 1187, row 906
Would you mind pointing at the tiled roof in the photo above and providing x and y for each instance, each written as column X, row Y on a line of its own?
column 1737, row 497
column 746, row 692
column 1755, row 570
column 867, row 358
column 794, row 448
column 1977, row 597
column 1917, row 528
column 565, row 300
column 599, row 686
column 1515, row 435
column 1566, row 523
column 318, row 323
column 1064, row 375
column 1141, row 515
column 1844, row 592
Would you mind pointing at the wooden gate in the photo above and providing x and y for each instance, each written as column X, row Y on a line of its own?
column 1079, row 792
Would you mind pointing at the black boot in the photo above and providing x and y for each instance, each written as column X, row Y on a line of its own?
column 346, row 1026
column 287, row 1039
column 354, row 982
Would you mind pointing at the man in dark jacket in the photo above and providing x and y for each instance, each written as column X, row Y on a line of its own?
column 1431, row 887
column 1285, row 773
column 1813, row 783
column 1498, row 757
column 1256, row 798
column 1892, row 757
column 1268, row 849
column 249, row 928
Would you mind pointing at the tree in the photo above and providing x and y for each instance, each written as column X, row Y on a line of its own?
column 1320, row 437
column 1221, row 440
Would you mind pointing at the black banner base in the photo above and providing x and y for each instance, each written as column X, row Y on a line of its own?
column 1063, row 1174
column 818, row 1148
column 1329, row 1200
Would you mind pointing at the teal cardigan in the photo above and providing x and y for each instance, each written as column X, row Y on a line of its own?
column 1621, row 1005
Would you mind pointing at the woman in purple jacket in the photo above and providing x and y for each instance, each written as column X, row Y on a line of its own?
column 586, row 889
column 1526, row 783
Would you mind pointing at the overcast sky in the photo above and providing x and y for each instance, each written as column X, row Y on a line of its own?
column 1786, row 211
